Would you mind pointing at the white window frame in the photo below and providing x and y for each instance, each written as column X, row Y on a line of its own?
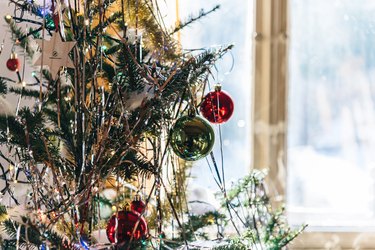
column 270, row 98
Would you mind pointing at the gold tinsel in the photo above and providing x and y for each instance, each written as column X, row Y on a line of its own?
column 139, row 14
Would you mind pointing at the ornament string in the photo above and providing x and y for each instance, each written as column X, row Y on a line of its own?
column 227, row 72
column 215, row 177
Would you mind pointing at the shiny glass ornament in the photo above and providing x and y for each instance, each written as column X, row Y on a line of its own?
column 13, row 63
column 217, row 106
column 192, row 138
column 137, row 205
column 125, row 225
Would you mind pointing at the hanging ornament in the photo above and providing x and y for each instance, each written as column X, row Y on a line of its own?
column 55, row 16
column 13, row 63
column 126, row 222
column 55, row 54
column 192, row 138
column 217, row 106
column 137, row 205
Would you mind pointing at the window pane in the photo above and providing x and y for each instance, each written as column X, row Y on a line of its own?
column 331, row 137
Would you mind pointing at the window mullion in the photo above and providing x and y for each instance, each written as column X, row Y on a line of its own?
column 270, row 91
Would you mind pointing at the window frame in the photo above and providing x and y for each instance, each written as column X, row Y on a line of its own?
column 269, row 117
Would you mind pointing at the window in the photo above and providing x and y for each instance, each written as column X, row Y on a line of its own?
column 331, row 138
column 331, row 135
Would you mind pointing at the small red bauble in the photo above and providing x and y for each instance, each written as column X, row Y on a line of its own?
column 13, row 63
column 137, row 205
column 125, row 225
column 217, row 106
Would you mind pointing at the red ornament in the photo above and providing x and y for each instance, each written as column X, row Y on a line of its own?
column 55, row 16
column 137, row 205
column 13, row 64
column 217, row 106
column 125, row 225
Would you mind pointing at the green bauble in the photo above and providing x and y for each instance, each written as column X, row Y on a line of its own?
column 192, row 138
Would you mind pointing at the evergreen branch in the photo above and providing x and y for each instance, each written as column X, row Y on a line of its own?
column 3, row 86
column 30, row 93
column 9, row 227
column 18, row 34
column 31, row 236
column 133, row 163
column 95, row 7
column 3, row 214
column 115, row 16
column 193, row 19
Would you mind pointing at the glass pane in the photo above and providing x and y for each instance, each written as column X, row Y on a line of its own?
column 331, row 137
column 231, row 24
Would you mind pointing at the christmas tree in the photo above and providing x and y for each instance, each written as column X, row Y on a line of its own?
column 101, row 153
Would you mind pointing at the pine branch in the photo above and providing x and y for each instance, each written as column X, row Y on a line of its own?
column 3, row 86
column 193, row 19
column 3, row 214
column 18, row 33
column 134, row 163
column 31, row 236
column 30, row 93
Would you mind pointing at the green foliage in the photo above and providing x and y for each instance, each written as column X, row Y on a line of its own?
column 265, row 226
column 97, row 122
column 3, row 86
column 18, row 34
column 260, row 226
column 192, row 19
column 30, row 235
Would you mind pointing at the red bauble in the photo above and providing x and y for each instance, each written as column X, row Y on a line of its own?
column 125, row 225
column 217, row 106
column 13, row 63
column 137, row 206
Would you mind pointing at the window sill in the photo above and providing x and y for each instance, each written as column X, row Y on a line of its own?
column 334, row 240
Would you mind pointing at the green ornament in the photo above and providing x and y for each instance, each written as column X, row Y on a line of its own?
column 192, row 138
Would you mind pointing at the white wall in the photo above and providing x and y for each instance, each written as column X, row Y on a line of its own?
column 5, row 33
